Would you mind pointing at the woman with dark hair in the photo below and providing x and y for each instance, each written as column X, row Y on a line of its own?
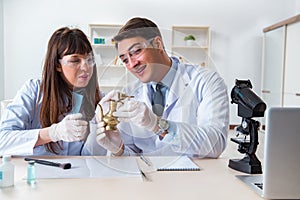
column 50, row 116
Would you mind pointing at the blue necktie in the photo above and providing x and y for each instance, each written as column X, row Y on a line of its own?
column 158, row 100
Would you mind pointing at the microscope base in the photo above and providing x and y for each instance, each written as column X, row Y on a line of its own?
column 247, row 165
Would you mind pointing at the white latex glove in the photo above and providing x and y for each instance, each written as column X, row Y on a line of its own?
column 110, row 140
column 104, row 102
column 137, row 113
column 71, row 128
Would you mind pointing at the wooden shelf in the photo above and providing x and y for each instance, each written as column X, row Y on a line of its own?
column 191, row 53
column 103, row 46
column 111, row 73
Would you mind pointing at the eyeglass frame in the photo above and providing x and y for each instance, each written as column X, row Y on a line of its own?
column 89, row 58
column 134, row 54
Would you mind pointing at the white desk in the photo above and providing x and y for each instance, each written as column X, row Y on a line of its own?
column 215, row 181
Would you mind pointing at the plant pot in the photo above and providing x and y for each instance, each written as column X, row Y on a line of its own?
column 189, row 43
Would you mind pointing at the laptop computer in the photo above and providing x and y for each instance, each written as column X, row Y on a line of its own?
column 281, row 167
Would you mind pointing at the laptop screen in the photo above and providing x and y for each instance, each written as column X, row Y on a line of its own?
column 281, row 163
column 281, row 177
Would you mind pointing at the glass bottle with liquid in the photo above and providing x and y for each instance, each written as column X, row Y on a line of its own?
column 7, row 172
column 31, row 176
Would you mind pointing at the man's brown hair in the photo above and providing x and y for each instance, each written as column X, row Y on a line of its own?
column 138, row 27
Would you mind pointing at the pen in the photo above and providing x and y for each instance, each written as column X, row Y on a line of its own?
column 49, row 163
column 145, row 176
column 145, row 160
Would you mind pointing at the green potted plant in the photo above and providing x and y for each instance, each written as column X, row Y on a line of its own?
column 189, row 39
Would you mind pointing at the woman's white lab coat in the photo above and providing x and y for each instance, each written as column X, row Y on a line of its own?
column 20, row 126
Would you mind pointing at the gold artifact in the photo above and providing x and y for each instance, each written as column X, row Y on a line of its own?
column 110, row 120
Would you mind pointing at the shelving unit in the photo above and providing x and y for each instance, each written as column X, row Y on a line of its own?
column 198, row 52
column 111, row 73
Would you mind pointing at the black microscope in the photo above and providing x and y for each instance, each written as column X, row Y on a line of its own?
column 249, row 106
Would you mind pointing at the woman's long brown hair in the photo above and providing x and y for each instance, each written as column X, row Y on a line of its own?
column 55, row 92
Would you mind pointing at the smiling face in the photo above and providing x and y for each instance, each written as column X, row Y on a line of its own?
column 145, row 59
column 76, row 69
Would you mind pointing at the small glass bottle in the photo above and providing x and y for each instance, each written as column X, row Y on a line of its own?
column 7, row 172
column 31, row 177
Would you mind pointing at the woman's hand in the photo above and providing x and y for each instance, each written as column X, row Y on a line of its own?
column 71, row 128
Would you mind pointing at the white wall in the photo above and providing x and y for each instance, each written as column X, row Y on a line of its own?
column 1, row 53
column 236, row 30
column 298, row 6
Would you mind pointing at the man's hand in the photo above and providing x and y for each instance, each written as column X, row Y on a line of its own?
column 137, row 113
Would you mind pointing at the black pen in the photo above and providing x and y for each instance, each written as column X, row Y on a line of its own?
column 144, row 175
column 145, row 160
column 49, row 163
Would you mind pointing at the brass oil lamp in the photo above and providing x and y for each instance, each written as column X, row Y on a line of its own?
column 110, row 120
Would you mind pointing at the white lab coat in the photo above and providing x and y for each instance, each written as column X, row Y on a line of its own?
column 197, row 108
column 20, row 126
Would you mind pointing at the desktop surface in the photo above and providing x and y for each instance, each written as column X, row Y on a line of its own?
column 215, row 180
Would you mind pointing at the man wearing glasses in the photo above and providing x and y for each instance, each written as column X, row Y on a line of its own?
column 177, row 109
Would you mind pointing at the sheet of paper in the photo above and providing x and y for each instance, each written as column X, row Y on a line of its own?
column 92, row 167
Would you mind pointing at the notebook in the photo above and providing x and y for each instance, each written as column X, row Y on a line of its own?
column 174, row 163
column 281, row 167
